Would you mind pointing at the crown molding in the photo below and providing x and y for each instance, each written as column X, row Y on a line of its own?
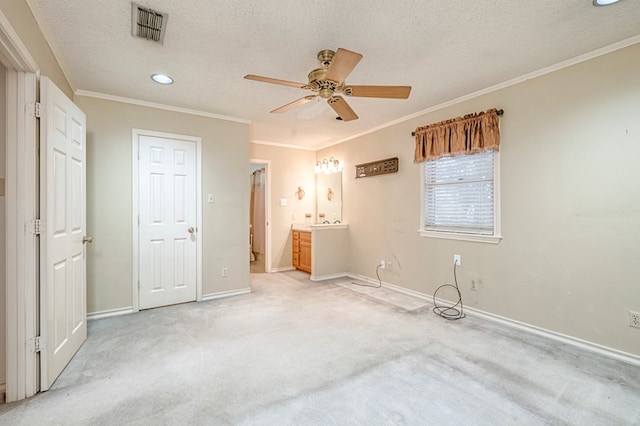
column 281, row 145
column 538, row 73
column 104, row 96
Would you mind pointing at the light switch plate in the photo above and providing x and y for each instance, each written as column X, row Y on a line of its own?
column 210, row 198
column 283, row 201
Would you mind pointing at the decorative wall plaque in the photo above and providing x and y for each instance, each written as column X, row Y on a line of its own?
column 375, row 168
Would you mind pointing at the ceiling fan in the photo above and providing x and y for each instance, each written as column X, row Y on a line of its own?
column 328, row 81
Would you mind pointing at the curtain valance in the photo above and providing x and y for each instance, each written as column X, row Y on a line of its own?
column 472, row 133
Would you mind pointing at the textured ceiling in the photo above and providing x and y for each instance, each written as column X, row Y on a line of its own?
column 443, row 48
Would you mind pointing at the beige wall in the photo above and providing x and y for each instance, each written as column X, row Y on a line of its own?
column 570, row 258
column 225, row 152
column 3, row 303
column 329, row 252
column 290, row 168
column 19, row 15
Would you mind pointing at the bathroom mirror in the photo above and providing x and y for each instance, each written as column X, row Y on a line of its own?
column 329, row 197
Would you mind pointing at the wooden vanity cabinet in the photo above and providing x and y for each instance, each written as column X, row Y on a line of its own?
column 301, row 250
column 295, row 249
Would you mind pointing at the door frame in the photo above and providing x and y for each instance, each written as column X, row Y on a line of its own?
column 21, row 211
column 267, row 211
column 136, row 133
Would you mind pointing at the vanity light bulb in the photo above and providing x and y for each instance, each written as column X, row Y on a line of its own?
column 329, row 166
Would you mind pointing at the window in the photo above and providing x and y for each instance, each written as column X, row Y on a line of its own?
column 461, row 197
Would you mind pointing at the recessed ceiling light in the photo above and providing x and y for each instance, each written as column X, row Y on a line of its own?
column 162, row 79
column 604, row 2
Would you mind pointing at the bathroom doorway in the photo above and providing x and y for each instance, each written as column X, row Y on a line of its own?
column 259, row 231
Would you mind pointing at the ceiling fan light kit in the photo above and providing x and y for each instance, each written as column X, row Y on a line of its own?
column 327, row 82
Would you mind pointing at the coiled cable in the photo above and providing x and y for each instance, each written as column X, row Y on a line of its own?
column 449, row 312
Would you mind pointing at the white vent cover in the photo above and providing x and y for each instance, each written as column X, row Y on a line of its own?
column 147, row 23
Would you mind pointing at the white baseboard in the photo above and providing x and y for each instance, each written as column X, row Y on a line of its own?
column 224, row 294
column 129, row 310
column 328, row 277
column 283, row 269
column 570, row 340
column 110, row 313
column 583, row 344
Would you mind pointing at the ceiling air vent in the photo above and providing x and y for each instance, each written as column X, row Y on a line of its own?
column 147, row 23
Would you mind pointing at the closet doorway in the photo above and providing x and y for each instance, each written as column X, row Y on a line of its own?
column 259, row 216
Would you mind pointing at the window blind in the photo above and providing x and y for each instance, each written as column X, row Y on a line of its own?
column 459, row 194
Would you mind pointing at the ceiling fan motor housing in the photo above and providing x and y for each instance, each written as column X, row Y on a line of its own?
column 317, row 83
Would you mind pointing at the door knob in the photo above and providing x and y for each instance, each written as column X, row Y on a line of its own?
column 191, row 230
column 86, row 239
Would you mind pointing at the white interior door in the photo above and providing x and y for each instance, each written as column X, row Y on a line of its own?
column 63, row 308
column 167, row 221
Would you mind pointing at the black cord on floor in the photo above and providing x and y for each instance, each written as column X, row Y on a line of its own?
column 453, row 312
column 369, row 285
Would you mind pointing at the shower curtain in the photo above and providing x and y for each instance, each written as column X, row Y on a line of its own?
column 257, row 213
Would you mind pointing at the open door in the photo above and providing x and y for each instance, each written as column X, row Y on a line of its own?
column 63, row 307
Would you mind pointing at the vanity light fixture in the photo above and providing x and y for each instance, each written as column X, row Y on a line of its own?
column 162, row 79
column 329, row 166
column 604, row 2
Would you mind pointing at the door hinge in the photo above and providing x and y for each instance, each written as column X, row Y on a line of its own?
column 36, row 110
column 36, row 227
column 37, row 344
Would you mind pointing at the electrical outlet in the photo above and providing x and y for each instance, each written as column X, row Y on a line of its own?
column 388, row 265
column 475, row 284
column 383, row 264
column 457, row 260
column 634, row 319
column 225, row 271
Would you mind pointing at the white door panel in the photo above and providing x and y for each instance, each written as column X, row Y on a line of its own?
column 167, row 239
column 63, row 215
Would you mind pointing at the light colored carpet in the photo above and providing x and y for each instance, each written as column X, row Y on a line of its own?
column 295, row 352
column 384, row 295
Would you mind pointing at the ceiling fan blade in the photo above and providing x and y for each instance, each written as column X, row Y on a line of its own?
column 393, row 92
column 342, row 108
column 343, row 62
column 294, row 104
column 274, row 81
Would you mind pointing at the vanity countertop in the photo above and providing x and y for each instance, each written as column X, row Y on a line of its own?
column 321, row 226
column 317, row 226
